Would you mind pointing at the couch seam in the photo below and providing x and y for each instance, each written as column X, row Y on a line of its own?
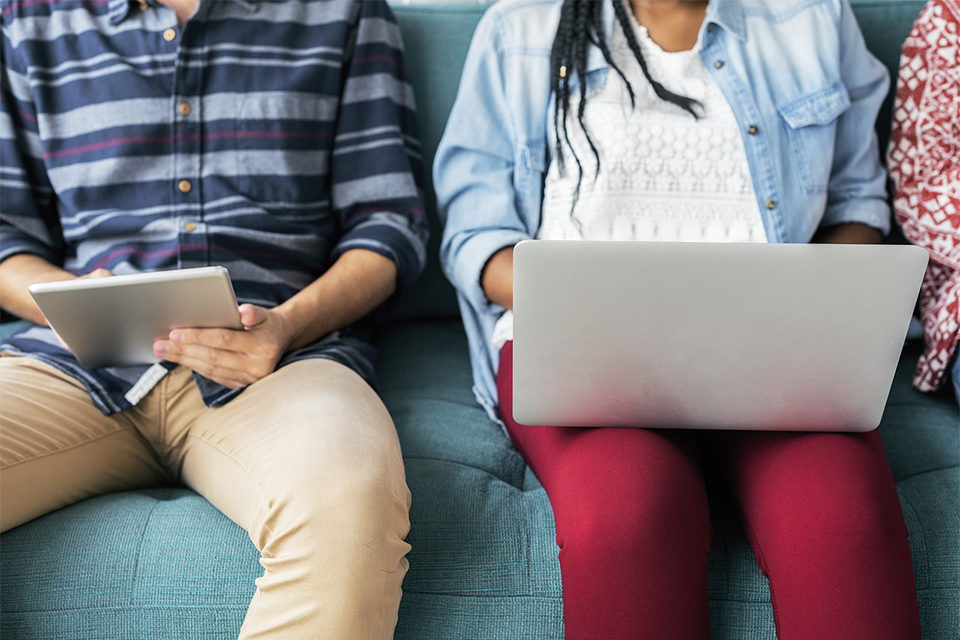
column 136, row 562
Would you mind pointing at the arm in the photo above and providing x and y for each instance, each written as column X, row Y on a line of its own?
column 375, row 192
column 496, row 279
column 857, row 191
column 30, row 237
column 849, row 233
column 926, row 172
column 473, row 177
column 356, row 284
column 19, row 271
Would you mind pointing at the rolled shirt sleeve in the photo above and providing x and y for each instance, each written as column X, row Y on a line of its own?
column 28, row 219
column 376, row 187
column 857, row 188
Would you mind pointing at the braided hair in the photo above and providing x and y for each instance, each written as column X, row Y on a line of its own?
column 581, row 24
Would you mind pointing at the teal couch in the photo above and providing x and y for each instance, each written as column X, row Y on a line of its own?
column 163, row 563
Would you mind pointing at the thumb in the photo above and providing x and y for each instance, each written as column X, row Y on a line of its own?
column 251, row 315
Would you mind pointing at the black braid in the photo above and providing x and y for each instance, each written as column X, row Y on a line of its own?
column 560, row 80
column 581, row 23
column 662, row 92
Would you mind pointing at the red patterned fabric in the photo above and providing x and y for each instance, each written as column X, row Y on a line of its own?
column 924, row 164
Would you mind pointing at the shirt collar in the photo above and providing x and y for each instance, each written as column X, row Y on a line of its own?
column 726, row 13
column 729, row 15
column 120, row 9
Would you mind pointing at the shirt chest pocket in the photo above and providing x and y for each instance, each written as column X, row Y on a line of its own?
column 811, row 125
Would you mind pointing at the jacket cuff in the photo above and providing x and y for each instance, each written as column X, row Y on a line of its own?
column 869, row 211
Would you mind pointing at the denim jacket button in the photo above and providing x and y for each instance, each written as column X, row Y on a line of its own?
column 718, row 64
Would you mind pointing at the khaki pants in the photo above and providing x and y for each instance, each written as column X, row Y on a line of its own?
column 306, row 460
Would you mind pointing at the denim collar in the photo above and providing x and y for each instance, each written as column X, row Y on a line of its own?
column 727, row 14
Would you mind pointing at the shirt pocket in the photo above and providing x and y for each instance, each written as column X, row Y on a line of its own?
column 811, row 124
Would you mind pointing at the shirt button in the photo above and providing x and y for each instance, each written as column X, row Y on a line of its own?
column 170, row 35
column 718, row 64
column 771, row 204
column 184, row 108
column 753, row 129
column 189, row 226
column 184, row 186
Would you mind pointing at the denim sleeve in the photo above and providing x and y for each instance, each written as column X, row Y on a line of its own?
column 28, row 218
column 375, row 169
column 857, row 188
column 474, row 169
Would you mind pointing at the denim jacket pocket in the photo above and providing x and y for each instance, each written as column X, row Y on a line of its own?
column 811, row 128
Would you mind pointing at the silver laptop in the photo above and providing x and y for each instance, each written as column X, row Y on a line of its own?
column 709, row 336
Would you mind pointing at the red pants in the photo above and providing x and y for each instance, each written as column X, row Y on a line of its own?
column 820, row 510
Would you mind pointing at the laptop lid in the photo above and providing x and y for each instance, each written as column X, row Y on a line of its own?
column 709, row 336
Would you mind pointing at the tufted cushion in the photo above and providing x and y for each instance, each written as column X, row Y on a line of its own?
column 484, row 562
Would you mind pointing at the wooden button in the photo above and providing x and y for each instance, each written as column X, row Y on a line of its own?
column 170, row 35
column 189, row 226
column 184, row 108
column 184, row 186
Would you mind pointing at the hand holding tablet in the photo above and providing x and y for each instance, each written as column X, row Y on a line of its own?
column 114, row 321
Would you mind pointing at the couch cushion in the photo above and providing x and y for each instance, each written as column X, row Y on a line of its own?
column 484, row 561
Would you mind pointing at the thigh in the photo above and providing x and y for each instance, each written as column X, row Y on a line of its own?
column 782, row 479
column 615, row 473
column 824, row 521
column 307, row 460
column 57, row 448
column 313, row 427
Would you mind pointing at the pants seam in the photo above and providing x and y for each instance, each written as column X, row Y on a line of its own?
column 70, row 448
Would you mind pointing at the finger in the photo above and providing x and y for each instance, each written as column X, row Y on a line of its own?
column 228, row 378
column 223, row 339
column 204, row 360
column 98, row 273
column 251, row 315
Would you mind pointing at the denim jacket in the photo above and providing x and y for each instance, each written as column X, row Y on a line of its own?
column 803, row 88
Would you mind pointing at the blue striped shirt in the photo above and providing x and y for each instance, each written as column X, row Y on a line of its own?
column 265, row 136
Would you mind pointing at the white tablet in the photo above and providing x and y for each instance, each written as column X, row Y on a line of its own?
column 114, row 321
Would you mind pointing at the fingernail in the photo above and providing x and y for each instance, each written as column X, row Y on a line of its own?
column 176, row 336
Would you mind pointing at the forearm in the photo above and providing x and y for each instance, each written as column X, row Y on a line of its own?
column 497, row 278
column 355, row 285
column 850, row 233
column 18, row 272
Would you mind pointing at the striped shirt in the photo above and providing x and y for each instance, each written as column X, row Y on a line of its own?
column 267, row 136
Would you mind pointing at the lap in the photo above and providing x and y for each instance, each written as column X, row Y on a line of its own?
column 308, row 432
column 57, row 448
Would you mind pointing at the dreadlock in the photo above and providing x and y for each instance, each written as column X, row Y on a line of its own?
column 581, row 24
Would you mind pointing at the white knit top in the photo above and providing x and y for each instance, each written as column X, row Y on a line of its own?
column 664, row 176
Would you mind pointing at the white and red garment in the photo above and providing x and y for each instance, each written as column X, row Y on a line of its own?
column 924, row 164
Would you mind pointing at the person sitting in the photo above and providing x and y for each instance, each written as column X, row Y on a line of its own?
column 678, row 120
column 924, row 164
column 278, row 140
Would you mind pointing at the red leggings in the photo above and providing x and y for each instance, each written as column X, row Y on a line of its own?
column 820, row 510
